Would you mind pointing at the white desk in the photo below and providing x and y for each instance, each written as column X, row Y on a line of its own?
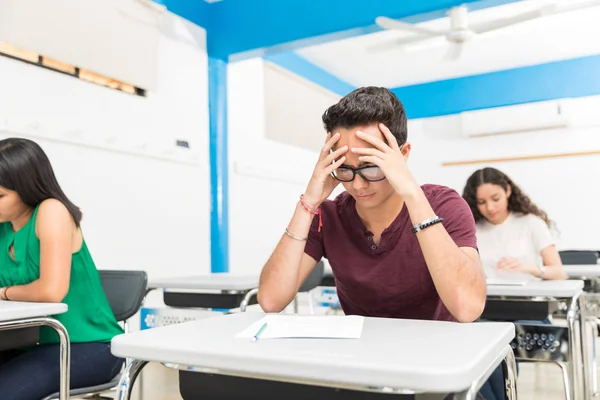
column 217, row 281
column 557, row 289
column 577, row 382
column 218, row 286
column 403, row 356
column 582, row 271
column 17, row 315
column 12, row 310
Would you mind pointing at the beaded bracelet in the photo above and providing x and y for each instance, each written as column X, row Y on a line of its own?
column 310, row 211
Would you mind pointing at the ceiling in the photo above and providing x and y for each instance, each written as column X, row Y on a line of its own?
column 239, row 29
column 558, row 37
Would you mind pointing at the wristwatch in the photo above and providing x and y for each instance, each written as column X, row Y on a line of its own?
column 542, row 271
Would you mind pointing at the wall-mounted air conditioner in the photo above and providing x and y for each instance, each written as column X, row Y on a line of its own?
column 518, row 118
column 114, row 38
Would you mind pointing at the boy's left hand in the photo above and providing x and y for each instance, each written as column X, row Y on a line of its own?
column 390, row 159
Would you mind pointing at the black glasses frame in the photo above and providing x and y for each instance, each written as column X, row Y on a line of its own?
column 358, row 171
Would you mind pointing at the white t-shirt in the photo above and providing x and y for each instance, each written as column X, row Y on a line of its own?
column 520, row 236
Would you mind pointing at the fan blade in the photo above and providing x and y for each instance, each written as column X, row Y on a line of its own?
column 454, row 51
column 551, row 9
column 505, row 22
column 576, row 6
column 392, row 24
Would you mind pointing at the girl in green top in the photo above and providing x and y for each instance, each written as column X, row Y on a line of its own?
column 44, row 258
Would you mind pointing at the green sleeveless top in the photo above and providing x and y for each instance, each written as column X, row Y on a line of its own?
column 89, row 318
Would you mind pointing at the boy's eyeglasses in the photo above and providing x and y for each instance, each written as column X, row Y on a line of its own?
column 369, row 173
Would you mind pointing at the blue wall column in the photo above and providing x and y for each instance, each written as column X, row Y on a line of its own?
column 219, row 184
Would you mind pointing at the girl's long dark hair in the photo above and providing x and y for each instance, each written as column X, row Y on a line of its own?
column 518, row 201
column 25, row 168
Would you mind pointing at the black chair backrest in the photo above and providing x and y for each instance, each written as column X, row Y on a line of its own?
column 579, row 257
column 125, row 291
column 314, row 278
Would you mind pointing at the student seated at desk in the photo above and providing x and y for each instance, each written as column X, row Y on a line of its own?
column 513, row 234
column 396, row 249
column 44, row 258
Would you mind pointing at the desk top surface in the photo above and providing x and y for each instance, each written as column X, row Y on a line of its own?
column 582, row 271
column 217, row 281
column 13, row 310
column 425, row 356
column 561, row 289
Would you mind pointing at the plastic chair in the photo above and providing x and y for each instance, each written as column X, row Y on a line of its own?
column 579, row 257
column 125, row 291
column 312, row 281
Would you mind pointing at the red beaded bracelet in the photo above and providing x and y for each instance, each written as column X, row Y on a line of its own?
column 309, row 210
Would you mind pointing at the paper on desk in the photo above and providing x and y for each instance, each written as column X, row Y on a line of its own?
column 296, row 326
column 505, row 282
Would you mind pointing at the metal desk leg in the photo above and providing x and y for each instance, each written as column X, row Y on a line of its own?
column 509, row 366
column 575, row 350
column 128, row 378
column 246, row 300
column 589, row 327
column 564, row 368
column 65, row 357
column 594, row 362
column 510, row 376
column 65, row 347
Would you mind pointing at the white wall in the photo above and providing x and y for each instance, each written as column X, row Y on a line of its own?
column 148, row 210
column 293, row 108
column 65, row 30
column 267, row 175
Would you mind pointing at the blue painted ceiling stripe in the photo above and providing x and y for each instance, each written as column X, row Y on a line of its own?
column 300, row 66
column 561, row 79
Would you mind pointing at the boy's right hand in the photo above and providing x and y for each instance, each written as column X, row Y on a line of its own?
column 321, row 184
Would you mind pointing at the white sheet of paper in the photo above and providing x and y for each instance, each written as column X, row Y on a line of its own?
column 505, row 282
column 299, row 326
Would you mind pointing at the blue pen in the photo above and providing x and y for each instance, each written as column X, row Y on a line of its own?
column 262, row 328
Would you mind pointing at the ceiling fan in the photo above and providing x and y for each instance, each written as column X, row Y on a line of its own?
column 461, row 32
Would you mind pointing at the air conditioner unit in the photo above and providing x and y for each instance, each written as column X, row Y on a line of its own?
column 519, row 118
column 114, row 38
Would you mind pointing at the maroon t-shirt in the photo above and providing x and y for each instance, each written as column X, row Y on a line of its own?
column 392, row 279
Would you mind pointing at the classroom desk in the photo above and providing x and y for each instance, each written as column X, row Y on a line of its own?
column 543, row 296
column 219, row 290
column 18, row 315
column 392, row 356
column 588, row 271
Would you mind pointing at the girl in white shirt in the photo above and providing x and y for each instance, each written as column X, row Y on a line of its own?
column 513, row 234
column 513, row 238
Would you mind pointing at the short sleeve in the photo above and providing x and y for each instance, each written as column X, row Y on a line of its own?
column 457, row 215
column 314, row 244
column 540, row 233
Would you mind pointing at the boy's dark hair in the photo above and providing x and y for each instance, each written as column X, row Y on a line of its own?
column 366, row 106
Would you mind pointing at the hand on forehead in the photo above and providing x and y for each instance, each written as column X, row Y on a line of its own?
column 348, row 136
